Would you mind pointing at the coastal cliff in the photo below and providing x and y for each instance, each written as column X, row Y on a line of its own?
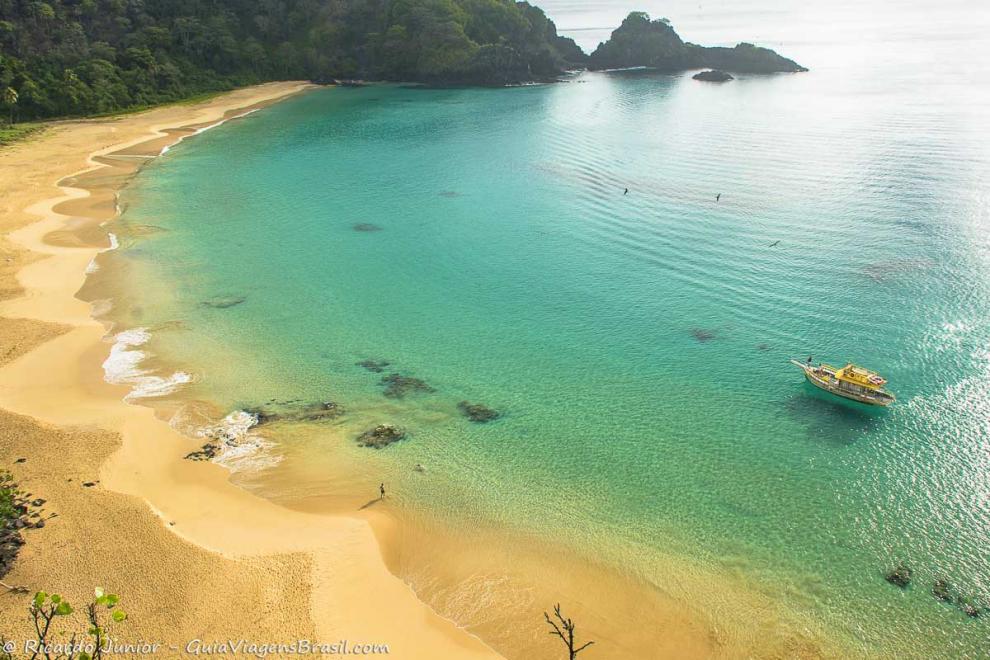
column 640, row 41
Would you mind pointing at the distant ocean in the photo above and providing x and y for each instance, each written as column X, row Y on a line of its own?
column 635, row 344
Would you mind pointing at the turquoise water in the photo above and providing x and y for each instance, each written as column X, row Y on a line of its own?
column 636, row 344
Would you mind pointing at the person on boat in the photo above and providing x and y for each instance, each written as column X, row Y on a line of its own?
column 809, row 360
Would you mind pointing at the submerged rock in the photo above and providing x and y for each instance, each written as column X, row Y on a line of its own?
column 713, row 75
column 320, row 412
column 223, row 302
column 366, row 227
column 375, row 366
column 900, row 576
column 477, row 412
column 968, row 608
column 262, row 415
column 312, row 412
column 942, row 591
column 398, row 386
column 702, row 335
column 381, row 436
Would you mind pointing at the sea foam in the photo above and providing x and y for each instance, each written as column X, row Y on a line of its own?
column 203, row 129
column 123, row 367
column 239, row 448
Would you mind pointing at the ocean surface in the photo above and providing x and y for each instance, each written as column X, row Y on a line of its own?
column 636, row 344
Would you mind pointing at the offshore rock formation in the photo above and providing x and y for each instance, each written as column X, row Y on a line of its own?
column 640, row 42
column 713, row 75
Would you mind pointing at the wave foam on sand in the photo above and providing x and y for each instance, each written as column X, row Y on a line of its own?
column 122, row 367
column 240, row 449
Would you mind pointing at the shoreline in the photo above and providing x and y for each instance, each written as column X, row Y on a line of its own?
column 63, row 186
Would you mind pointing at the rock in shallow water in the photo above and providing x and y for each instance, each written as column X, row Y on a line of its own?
column 223, row 302
column 374, row 366
column 398, row 386
column 477, row 412
column 900, row 576
column 381, row 436
column 366, row 227
column 702, row 335
column 207, row 452
column 969, row 609
column 942, row 591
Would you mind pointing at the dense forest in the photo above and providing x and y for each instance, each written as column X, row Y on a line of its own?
column 81, row 57
column 85, row 57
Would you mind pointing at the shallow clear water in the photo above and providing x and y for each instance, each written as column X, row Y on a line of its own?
column 636, row 344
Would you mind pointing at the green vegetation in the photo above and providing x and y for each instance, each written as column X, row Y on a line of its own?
column 47, row 613
column 9, row 494
column 642, row 42
column 13, row 132
column 86, row 57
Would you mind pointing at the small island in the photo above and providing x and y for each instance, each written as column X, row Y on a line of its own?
column 713, row 75
column 641, row 42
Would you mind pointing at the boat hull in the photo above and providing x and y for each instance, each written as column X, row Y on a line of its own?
column 881, row 399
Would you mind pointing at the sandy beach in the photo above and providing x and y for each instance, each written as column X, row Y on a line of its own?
column 191, row 555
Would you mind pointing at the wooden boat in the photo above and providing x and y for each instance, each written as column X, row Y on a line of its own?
column 850, row 382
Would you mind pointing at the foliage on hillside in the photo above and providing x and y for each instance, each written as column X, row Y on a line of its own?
column 82, row 57
column 640, row 41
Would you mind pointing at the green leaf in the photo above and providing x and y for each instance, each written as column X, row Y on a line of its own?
column 92, row 631
column 112, row 599
column 119, row 616
column 63, row 609
column 56, row 599
column 39, row 598
column 84, row 656
column 102, row 600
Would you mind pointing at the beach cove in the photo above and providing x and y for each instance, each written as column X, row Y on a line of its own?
column 575, row 303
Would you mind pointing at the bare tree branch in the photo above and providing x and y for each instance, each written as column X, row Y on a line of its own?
column 566, row 626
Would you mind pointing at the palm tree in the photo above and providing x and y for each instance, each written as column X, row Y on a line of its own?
column 10, row 100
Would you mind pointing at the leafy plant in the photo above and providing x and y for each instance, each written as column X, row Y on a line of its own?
column 47, row 609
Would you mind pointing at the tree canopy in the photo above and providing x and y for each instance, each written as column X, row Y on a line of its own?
column 82, row 57
column 640, row 41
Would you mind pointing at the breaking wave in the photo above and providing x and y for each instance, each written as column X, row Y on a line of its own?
column 123, row 367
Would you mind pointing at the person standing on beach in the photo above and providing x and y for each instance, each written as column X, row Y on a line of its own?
column 381, row 491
